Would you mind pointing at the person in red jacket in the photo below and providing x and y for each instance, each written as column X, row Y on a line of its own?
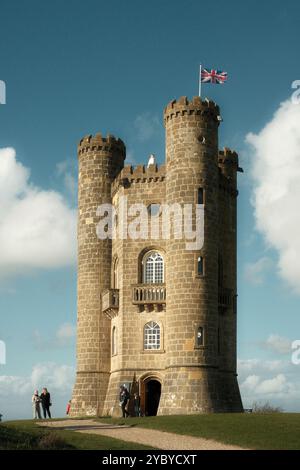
column 68, row 407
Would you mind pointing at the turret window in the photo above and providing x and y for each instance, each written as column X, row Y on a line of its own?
column 153, row 272
column 114, row 341
column 199, row 337
column 200, row 199
column 116, row 274
column 200, row 266
column 151, row 336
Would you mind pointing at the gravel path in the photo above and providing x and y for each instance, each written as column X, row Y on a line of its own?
column 151, row 437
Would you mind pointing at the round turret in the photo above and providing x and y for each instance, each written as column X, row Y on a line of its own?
column 100, row 160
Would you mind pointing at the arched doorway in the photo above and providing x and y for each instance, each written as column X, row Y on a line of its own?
column 150, row 396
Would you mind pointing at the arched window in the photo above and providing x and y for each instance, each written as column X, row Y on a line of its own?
column 199, row 337
column 153, row 268
column 116, row 274
column 151, row 336
column 114, row 341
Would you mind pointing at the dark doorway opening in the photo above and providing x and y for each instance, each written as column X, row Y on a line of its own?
column 153, row 391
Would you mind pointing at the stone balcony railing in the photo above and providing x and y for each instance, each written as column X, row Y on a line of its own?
column 110, row 302
column 149, row 296
column 225, row 298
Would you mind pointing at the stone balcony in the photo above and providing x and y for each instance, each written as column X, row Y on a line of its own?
column 149, row 296
column 225, row 298
column 110, row 302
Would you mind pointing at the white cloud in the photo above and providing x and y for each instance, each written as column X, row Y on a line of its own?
column 276, row 382
column 258, row 387
column 16, row 391
column 37, row 227
column 246, row 366
column 256, row 272
column 250, row 383
column 147, row 125
column 64, row 336
column 276, row 173
column 55, row 377
column 66, row 331
column 278, row 344
column 67, row 170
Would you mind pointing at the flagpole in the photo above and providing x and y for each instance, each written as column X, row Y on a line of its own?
column 200, row 70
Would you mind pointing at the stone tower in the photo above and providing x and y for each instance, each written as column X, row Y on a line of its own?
column 193, row 382
column 152, row 313
column 100, row 160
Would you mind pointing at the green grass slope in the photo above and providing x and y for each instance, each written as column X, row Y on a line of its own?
column 248, row 430
column 26, row 435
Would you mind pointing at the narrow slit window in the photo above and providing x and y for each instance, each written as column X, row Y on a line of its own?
column 114, row 341
column 199, row 337
column 200, row 266
column 200, row 196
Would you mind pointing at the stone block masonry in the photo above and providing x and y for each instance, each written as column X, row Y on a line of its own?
column 167, row 323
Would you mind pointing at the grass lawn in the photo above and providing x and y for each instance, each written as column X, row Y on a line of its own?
column 26, row 435
column 248, row 430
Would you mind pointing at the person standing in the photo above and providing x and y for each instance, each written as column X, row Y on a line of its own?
column 68, row 407
column 46, row 402
column 124, row 396
column 137, row 405
column 36, row 405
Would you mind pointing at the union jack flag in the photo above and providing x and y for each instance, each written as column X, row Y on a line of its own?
column 213, row 76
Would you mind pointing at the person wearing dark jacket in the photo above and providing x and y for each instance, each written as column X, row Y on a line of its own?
column 46, row 402
column 124, row 397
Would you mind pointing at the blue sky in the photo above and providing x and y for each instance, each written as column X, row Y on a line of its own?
column 74, row 68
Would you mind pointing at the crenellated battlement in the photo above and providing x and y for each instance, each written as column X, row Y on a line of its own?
column 98, row 143
column 204, row 107
column 229, row 158
column 227, row 155
column 139, row 174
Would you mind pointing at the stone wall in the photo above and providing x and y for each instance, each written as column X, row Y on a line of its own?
column 194, row 378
